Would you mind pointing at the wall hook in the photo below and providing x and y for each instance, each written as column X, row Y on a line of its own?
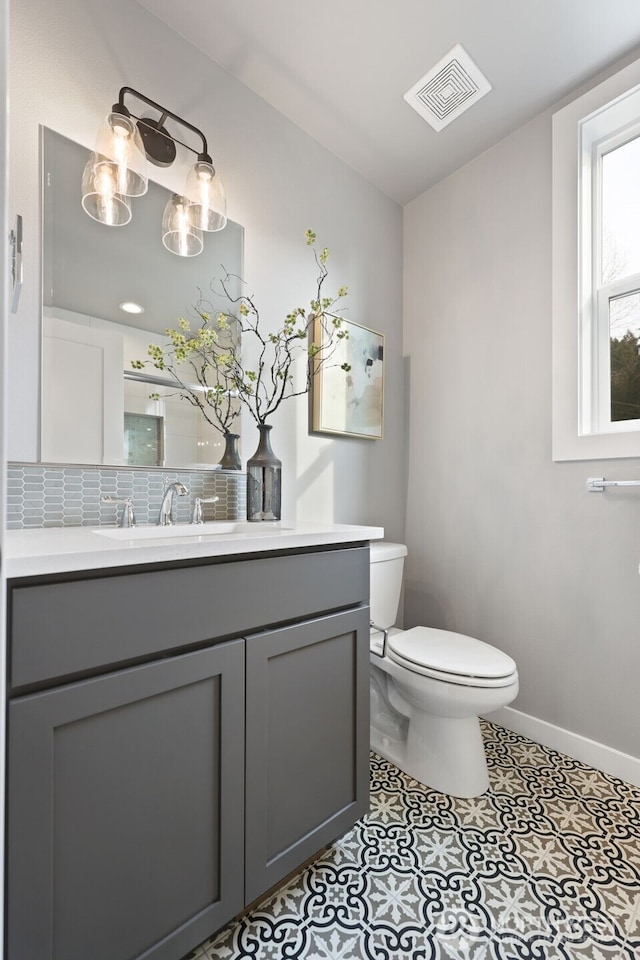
column 15, row 245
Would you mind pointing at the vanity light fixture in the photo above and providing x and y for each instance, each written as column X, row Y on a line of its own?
column 178, row 233
column 100, row 196
column 117, row 171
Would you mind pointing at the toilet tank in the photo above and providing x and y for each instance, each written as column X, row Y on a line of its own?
column 385, row 569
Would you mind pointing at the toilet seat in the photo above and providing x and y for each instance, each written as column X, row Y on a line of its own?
column 452, row 657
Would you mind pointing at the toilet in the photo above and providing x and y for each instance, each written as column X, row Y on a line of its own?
column 429, row 688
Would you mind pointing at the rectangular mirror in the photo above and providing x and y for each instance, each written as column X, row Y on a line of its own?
column 95, row 408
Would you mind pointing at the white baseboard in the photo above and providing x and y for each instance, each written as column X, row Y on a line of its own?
column 613, row 762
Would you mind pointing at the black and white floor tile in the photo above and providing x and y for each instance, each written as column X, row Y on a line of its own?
column 544, row 866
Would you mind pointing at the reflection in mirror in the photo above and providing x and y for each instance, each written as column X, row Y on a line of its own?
column 95, row 408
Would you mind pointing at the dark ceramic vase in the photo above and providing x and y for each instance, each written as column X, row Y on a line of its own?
column 264, row 473
column 231, row 457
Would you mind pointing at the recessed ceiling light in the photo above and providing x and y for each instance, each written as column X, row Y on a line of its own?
column 130, row 307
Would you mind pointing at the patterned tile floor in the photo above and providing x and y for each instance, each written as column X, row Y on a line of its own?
column 544, row 866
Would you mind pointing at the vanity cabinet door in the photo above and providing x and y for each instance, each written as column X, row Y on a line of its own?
column 125, row 811
column 307, row 770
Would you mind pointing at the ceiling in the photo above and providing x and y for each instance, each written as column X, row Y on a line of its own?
column 339, row 69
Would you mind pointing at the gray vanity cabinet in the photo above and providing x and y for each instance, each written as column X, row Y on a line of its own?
column 126, row 810
column 307, row 765
column 181, row 736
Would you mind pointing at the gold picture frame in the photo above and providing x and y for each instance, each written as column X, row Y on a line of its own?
column 350, row 404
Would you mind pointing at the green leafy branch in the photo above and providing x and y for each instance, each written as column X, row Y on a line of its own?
column 197, row 362
column 213, row 352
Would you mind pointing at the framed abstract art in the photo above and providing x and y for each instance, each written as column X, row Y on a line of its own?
column 350, row 403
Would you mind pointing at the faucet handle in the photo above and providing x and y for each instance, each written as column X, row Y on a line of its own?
column 128, row 517
column 197, row 508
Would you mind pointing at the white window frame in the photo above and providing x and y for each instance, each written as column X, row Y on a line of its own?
column 582, row 131
column 597, row 140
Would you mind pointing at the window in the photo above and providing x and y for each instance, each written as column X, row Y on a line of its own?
column 143, row 440
column 618, row 294
column 609, row 198
column 596, row 272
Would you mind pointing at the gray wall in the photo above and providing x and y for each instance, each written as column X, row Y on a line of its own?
column 503, row 543
column 68, row 61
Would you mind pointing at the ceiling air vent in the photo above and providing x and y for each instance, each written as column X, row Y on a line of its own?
column 448, row 89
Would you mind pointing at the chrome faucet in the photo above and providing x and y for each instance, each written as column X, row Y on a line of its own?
column 176, row 489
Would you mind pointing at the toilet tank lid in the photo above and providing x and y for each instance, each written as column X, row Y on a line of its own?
column 380, row 550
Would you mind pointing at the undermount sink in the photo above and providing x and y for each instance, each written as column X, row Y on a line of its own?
column 215, row 528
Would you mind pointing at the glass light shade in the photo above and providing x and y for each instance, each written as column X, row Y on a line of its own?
column 120, row 143
column 178, row 233
column 205, row 192
column 100, row 197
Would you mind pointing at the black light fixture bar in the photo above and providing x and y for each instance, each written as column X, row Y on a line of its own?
column 159, row 144
column 117, row 171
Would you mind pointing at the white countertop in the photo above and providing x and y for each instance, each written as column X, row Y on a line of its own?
column 64, row 549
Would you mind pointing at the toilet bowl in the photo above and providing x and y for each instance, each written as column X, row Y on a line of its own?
column 429, row 688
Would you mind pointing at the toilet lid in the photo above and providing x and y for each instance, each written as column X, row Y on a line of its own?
column 444, row 652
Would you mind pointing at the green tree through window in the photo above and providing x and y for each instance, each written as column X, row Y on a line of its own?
column 625, row 377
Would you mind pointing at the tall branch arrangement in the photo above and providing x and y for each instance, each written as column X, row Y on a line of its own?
column 212, row 353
